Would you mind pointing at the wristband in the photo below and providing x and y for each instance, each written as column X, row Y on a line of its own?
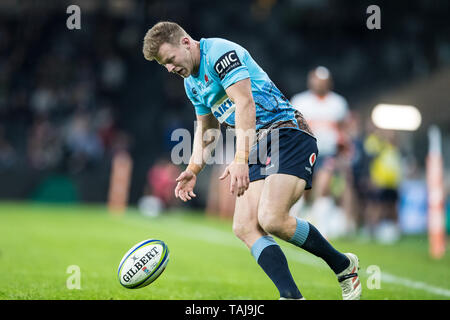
column 194, row 168
column 241, row 157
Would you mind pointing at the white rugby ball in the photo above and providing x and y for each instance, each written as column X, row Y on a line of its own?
column 143, row 263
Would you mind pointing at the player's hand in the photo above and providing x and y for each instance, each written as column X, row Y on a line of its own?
column 185, row 186
column 240, row 180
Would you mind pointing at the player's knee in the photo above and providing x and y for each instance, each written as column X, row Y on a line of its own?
column 238, row 230
column 270, row 222
column 242, row 231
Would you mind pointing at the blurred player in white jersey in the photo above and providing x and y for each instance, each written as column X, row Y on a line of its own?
column 325, row 111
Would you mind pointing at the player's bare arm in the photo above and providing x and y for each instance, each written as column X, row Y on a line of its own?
column 241, row 94
column 203, row 138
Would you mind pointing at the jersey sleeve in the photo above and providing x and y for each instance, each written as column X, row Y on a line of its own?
column 200, row 108
column 227, row 62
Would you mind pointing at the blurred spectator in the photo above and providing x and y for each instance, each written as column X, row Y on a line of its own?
column 122, row 142
column 50, row 71
column 159, row 191
column 112, row 138
column 112, row 72
column 325, row 112
column 413, row 199
column 385, row 177
column 352, row 164
column 82, row 95
column 105, row 126
column 8, row 155
column 43, row 99
column 83, row 143
column 44, row 144
column 358, row 179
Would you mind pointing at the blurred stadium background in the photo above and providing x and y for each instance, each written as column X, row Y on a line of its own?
column 71, row 100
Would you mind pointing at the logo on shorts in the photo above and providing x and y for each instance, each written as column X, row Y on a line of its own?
column 312, row 159
column 268, row 161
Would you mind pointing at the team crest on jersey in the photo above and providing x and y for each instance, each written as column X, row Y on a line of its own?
column 226, row 63
column 312, row 159
column 208, row 81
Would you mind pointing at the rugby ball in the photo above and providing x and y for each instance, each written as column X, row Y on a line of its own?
column 143, row 263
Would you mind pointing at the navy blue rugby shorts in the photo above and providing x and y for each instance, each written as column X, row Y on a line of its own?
column 284, row 150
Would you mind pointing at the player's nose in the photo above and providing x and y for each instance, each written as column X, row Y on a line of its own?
column 170, row 67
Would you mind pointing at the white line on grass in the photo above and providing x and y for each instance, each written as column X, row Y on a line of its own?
column 220, row 237
column 212, row 235
column 390, row 278
column 385, row 276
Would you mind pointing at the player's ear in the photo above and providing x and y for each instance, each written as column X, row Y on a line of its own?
column 185, row 41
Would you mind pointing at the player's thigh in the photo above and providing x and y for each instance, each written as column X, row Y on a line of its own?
column 245, row 219
column 279, row 193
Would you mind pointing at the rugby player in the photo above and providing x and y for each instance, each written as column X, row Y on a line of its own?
column 226, row 86
column 326, row 112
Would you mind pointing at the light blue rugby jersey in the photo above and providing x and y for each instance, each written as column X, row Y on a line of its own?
column 223, row 63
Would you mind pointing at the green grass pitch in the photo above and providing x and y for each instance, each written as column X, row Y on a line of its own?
column 39, row 242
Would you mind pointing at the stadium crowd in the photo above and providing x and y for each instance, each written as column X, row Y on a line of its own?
column 54, row 112
column 70, row 99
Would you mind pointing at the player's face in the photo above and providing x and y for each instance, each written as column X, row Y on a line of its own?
column 176, row 58
column 319, row 86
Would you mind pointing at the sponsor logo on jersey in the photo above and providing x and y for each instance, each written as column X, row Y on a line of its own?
column 223, row 109
column 312, row 159
column 227, row 62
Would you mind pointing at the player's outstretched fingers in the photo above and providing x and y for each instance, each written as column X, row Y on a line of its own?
column 177, row 190
column 225, row 174
column 192, row 194
column 233, row 185
column 240, row 187
column 183, row 195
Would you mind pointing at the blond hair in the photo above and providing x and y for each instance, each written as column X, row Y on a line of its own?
column 162, row 32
